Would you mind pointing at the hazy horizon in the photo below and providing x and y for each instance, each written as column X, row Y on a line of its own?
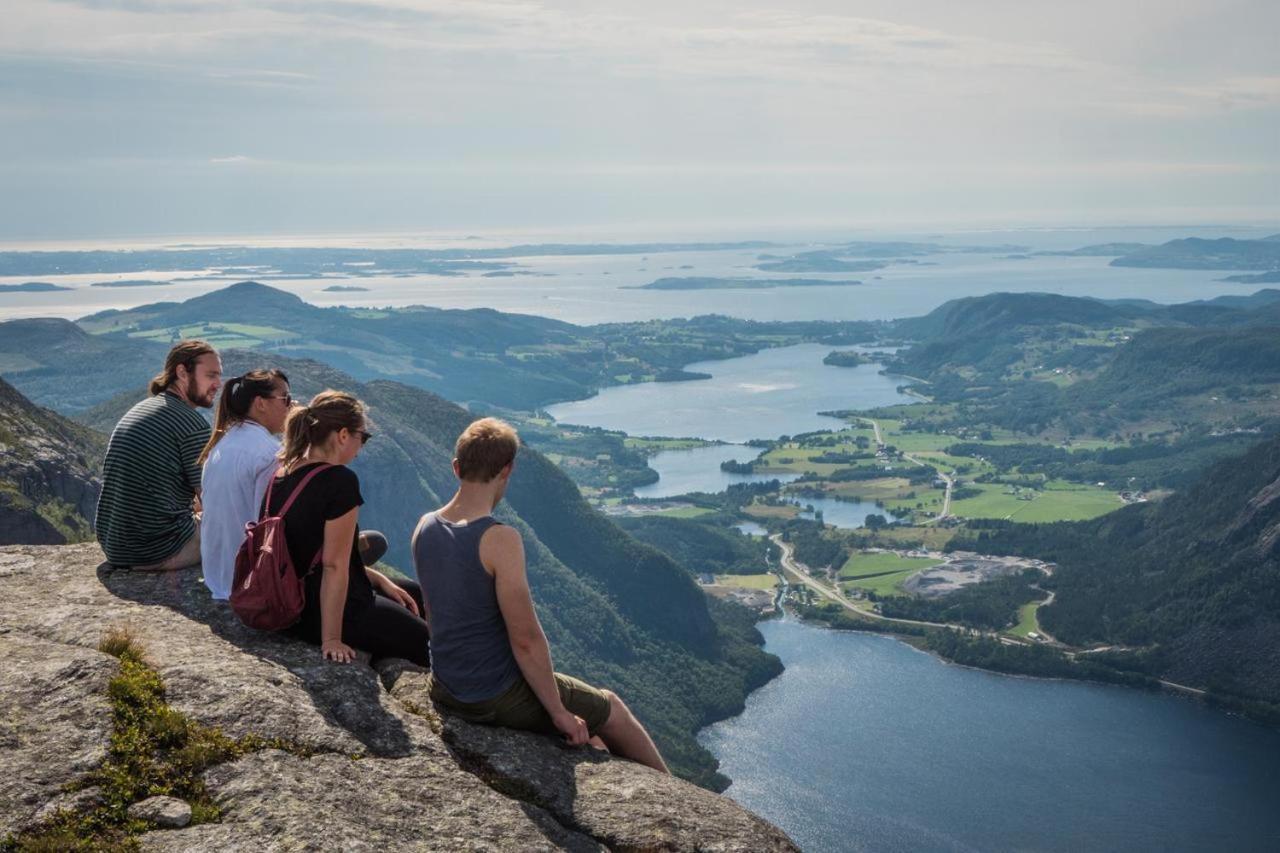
column 140, row 118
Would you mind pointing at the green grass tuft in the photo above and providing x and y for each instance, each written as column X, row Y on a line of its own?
column 154, row 750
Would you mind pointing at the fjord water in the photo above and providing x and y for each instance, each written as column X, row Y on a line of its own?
column 771, row 393
column 698, row 470
column 864, row 743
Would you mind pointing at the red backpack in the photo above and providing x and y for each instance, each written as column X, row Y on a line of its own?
column 268, row 593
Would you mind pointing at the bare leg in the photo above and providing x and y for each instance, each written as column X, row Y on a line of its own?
column 624, row 736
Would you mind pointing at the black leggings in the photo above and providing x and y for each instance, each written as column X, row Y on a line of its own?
column 383, row 628
column 386, row 629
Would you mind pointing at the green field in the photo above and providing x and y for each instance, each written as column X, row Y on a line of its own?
column 1058, row 501
column 656, row 444
column 1027, row 622
column 783, row 512
column 685, row 512
column 933, row 538
column 888, row 488
column 219, row 334
column 765, row 581
column 880, row 573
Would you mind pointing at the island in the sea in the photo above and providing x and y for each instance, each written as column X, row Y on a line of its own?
column 845, row 358
column 344, row 288
column 32, row 287
column 818, row 261
column 1272, row 277
column 129, row 282
column 1195, row 253
column 1100, row 250
column 712, row 283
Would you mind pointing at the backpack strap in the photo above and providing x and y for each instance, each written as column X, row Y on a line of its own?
column 297, row 490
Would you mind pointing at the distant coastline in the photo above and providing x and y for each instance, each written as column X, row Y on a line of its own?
column 32, row 287
column 713, row 283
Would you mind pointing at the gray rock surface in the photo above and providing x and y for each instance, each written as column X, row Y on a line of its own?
column 389, row 771
column 166, row 812
column 588, row 789
column 54, row 723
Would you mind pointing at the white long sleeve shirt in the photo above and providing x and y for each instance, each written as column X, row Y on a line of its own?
column 235, row 478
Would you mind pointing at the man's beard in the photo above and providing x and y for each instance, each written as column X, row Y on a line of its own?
column 204, row 401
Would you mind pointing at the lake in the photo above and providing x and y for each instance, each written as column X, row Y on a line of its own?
column 698, row 470
column 771, row 393
column 864, row 743
column 850, row 514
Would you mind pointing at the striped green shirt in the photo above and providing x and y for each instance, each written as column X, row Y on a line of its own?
column 148, row 481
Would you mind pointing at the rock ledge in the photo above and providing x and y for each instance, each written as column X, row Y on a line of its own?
column 387, row 770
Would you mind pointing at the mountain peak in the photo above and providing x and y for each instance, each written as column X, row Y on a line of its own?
column 250, row 291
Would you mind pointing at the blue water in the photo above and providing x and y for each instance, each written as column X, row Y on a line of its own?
column 698, row 470
column 599, row 288
column 850, row 514
column 774, row 392
column 864, row 743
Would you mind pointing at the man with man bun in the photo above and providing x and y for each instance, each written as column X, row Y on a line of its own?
column 146, row 514
column 490, row 660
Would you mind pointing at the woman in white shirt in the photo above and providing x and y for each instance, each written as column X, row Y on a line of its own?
column 239, row 461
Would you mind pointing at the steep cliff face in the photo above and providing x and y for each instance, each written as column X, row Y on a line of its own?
column 330, row 756
column 48, row 473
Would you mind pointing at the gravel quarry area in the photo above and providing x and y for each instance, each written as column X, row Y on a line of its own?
column 962, row 570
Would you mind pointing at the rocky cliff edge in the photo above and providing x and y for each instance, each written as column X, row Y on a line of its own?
column 328, row 757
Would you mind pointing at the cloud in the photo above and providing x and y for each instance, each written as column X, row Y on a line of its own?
column 233, row 160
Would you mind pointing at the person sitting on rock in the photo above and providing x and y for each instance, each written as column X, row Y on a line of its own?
column 238, row 462
column 147, row 512
column 348, row 604
column 489, row 656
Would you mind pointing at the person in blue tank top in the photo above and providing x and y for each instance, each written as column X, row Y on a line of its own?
column 490, row 662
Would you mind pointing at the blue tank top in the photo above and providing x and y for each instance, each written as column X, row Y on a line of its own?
column 471, row 653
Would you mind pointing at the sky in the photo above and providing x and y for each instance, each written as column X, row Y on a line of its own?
column 123, row 118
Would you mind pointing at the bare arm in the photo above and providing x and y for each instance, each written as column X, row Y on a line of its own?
column 413, row 549
column 502, row 553
column 335, row 561
column 391, row 590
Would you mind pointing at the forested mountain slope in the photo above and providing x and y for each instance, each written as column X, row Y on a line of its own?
column 478, row 355
column 49, row 470
column 1030, row 362
column 57, row 364
column 1190, row 584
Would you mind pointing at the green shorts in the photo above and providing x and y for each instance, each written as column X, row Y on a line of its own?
column 518, row 707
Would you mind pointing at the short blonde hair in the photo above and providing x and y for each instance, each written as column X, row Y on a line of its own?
column 485, row 448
